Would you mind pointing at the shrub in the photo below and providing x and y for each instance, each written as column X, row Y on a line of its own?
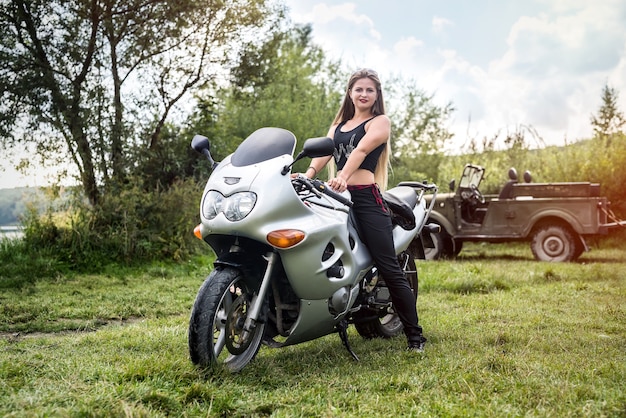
column 130, row 226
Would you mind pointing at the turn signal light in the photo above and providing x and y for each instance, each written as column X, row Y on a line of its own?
column 197, row 232
column 285, row 238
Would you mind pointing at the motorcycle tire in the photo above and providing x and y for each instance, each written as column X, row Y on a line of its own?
column 388, row 325
column 216, row 334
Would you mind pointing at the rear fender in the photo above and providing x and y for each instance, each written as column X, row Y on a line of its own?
column 553, row 217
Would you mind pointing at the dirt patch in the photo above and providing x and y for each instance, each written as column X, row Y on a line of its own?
column 71, row 328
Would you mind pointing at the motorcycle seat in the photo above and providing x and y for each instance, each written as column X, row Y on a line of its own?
column 401, row 200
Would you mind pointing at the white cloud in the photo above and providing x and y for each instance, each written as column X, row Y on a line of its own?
column 322, row 14
column 554, row 65
column 577, row 43
column 440, row 24
column 407, row 47
column 408, row 44
column 541, row 64
column 344, row 33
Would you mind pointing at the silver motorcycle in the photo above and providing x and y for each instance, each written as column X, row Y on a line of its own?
column 290, row 266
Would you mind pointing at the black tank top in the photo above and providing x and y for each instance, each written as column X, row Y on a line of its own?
column 346, row 142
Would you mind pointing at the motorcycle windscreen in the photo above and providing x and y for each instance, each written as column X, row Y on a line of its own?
column 262, row 145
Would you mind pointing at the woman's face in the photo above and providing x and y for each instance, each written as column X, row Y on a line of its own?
column 363, row 94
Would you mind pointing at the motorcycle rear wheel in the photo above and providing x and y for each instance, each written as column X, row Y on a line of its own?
column 388, row 325
column 216, row 327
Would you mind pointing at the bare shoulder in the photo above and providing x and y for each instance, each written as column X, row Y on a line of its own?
column 379, row 122
column 377, row 131
column 332, row 129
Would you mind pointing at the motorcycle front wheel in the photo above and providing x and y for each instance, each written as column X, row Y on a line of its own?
column 387, row 324
column 216, row 327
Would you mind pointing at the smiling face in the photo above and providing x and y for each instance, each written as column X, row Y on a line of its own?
column 363, row 94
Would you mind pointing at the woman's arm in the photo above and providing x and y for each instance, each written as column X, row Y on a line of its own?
column 317, row 165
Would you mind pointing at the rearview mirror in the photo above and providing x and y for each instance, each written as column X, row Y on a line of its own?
column 200, row 143
column 313, row 148
column 318, row 147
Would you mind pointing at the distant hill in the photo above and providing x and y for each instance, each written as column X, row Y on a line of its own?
column 14, row 203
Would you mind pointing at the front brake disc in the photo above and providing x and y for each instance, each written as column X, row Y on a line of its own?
column 237, row 339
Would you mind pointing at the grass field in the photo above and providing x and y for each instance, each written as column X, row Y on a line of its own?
column 508, row 336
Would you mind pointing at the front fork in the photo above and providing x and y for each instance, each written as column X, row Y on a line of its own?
column 257, row 300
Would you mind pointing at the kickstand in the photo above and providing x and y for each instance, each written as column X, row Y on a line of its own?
column 342, row 327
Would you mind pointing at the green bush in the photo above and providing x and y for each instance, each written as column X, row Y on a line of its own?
column 23, row 264
column 128, row 227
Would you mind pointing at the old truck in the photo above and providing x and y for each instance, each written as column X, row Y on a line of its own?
column 555, row 218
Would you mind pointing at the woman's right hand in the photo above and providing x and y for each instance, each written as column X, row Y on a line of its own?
column 338, row 184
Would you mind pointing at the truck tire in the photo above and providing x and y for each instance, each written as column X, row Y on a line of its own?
column 580, row 248
column 458, row 246
column 444, row 246
column 436, row 252
column 554, row 243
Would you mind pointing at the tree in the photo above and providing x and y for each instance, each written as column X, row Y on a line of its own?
column 96, row 80
column 610, row 119
column 419, row 132
column 286, row 82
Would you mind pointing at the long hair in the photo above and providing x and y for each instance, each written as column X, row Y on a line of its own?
column 346, row 112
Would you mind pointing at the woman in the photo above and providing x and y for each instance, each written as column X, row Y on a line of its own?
column 361, row 132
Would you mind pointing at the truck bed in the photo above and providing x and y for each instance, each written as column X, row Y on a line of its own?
column 515, row 218
column 556, row 190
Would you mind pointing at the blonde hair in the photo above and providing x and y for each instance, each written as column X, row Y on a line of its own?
column 346, row 112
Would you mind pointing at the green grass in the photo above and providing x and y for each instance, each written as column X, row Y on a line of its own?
column 508, row 336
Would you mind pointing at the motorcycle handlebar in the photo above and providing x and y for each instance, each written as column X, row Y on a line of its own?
column 321, row 186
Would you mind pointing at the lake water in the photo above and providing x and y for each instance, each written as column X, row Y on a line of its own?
column 11, row 232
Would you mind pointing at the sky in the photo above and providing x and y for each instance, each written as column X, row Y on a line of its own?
column 505, row 65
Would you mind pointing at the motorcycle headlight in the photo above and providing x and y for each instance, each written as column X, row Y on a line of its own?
column 239, row 205
column 212, row 204
column 234, row 207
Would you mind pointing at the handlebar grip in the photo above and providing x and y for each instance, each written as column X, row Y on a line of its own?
column 418, row 185
column 320, row 186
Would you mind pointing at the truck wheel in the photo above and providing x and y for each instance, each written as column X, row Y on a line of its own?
column 458, row 246
column 443, row 245
column 580, row 249
column 554, row 243
column 436, row 252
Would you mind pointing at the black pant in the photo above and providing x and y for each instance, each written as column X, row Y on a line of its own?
column 376, row 232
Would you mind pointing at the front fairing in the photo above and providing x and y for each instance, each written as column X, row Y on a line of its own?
column 256, row 166
column 277, row 207
column 276, row 198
